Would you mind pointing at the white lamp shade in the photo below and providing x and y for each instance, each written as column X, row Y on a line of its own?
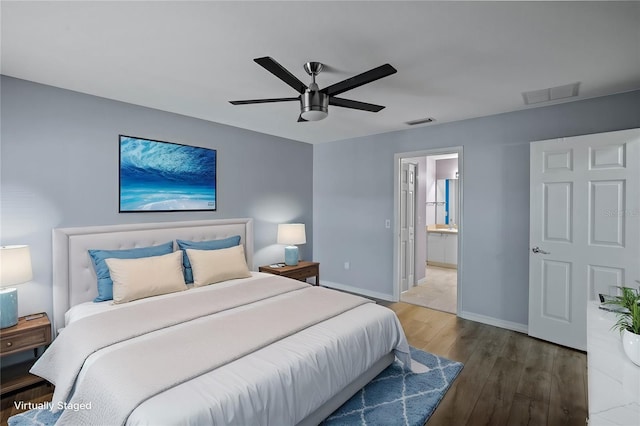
column 15, row 265
column 291, row 233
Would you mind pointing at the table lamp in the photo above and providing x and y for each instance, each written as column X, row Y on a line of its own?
column 15, row 268
column 291, row 234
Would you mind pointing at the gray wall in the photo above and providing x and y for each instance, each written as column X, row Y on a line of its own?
column 353, row 195
column 59, row 168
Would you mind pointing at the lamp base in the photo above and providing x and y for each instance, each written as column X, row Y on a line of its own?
column 291, row 255
column 8, row 307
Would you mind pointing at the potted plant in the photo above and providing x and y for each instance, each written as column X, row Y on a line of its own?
column 628, row 323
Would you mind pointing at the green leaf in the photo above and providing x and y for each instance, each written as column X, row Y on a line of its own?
column 629, row 317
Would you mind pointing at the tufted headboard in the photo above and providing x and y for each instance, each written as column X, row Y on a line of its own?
column 74, row 279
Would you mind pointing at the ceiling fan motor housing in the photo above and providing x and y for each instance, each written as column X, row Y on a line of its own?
column 314, row 105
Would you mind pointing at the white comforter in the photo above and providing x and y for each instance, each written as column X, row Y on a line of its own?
column 279, row 384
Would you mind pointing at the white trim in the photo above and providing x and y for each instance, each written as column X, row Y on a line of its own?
column 357, row 290
column 514, row 326
column 420, row 282
column 397, row 159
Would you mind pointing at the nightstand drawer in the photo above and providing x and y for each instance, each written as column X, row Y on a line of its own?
column 26, row 340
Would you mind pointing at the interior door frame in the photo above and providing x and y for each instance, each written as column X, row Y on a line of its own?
column 397, row 171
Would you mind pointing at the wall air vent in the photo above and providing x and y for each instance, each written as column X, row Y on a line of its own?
column 421, row 121
column 551, row 94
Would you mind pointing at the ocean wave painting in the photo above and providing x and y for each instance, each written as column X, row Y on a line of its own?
column 164, row 176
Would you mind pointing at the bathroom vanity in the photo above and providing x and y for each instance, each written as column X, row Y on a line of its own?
column 442, row 246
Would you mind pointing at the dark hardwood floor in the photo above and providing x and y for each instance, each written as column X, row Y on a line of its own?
column 508, row 377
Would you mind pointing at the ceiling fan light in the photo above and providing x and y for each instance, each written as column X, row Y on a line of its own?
column 314, row 115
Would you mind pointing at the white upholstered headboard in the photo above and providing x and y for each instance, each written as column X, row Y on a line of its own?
column 74, row 279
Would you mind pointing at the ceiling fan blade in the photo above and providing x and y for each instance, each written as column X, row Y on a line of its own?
column 360, row 79
column 300, row 119
column 281, row 72
column 263, row 101
column 348, row 103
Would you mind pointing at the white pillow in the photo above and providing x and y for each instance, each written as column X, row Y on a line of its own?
column 146, row 276
column 214, row 266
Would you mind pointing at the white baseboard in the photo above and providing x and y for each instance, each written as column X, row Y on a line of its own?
column 357, row 290
column 521, row 328
column 421, row 281
column 496, row 322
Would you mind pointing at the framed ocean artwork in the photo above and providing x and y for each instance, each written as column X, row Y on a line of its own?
column 165, row 176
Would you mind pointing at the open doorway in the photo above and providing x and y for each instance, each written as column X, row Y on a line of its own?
column 428, row 224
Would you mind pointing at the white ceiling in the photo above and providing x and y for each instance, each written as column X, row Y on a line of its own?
column 455, row 60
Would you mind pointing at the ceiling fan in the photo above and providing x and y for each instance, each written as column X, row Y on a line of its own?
column 314, row 103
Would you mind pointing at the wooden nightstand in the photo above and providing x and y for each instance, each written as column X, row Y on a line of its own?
column 301, row 271
column 26, row 335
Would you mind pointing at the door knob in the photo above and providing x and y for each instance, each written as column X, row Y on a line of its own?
column 538, row 250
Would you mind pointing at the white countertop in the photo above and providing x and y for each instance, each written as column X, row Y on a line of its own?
column 614, row 381
column 446, row 230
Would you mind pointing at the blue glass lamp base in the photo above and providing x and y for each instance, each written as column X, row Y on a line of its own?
column 291, row 255
column 8, row 307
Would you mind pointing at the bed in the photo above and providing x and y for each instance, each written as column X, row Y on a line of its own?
column 254, row 350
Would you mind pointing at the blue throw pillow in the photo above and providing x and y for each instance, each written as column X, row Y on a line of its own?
column 105, row 285
column 203, row 245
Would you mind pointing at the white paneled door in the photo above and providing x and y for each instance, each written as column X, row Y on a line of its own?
column 407, row 225
column 584, row 229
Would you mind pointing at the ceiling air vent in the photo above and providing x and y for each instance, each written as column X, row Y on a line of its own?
column 551, row 94
column 421, row 121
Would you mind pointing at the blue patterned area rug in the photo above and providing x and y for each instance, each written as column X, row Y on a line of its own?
column 398, row 396
column 395, row 397
column 34, row 417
